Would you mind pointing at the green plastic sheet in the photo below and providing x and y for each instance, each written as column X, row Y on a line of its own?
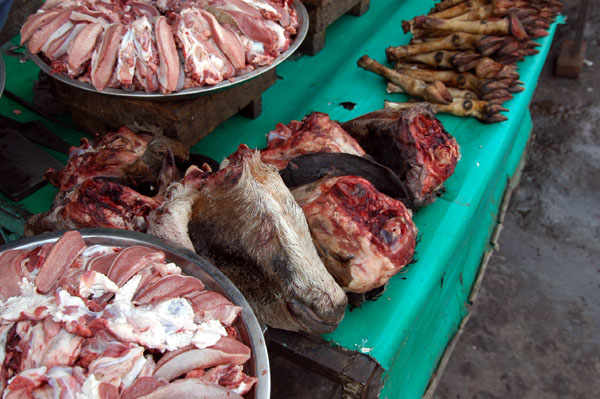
column 407, row 329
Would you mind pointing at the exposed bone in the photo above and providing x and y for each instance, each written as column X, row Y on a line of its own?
column 449, row 78
column 457, row 41
column 442, row 5
column 506, row 26
column 454, row 92
column 447, row 59
column 482, row 110
column 459, row 9
column 435, row 92
column 477, row 12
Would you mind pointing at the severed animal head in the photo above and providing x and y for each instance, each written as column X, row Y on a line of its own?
column 247, row 222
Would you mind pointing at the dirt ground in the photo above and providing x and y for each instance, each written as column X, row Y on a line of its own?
column 534, row 331
column 535, row 327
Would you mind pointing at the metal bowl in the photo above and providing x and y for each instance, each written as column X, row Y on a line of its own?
column 194, row 91
column 193, row 265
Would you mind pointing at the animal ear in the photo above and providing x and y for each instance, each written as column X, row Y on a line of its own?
column 168, row 172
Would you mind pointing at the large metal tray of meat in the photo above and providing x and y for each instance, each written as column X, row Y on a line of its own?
column 191, row 264
column 194, row 91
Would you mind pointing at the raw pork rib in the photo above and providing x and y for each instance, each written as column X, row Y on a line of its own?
column 363, row 236
column 315, row 133
column 107, row 322
column 413, row 143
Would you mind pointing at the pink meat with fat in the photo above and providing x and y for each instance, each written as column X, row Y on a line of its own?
column 81, row 48
column 363, row 236
column 104, row 59
column 315, row 133
column 168, row 287
column 210, row 305
column 168, row 68
column 10, row 270
column 225, row 351
column 130, row 261
column 59, row 259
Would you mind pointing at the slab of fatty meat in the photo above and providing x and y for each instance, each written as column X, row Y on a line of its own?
column 363, row 236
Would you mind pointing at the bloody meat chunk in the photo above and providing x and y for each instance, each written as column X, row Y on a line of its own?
column 413, row 143
column 363, row 236
column 315, row 133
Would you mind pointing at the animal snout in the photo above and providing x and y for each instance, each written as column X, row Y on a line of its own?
column 319, row 312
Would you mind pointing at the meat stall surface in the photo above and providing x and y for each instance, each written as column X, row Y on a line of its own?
column 247, row 222
column 363, row 236
column 101, row 321
column 159, row 45
column 101, row 183
column 413, row 143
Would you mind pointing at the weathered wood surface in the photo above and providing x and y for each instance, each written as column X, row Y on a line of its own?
column 321, row 14
column 186, row 120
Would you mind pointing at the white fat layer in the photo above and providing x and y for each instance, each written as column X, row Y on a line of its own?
column 96, row 286
column 130, row 377
column 64, row 28
column 71, row 308
column 89, row 389
column 26, row 303
column 261, row 5
column 167, row 325
column 208, row 333
column 240, row 389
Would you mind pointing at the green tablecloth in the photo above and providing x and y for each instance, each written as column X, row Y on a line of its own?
column 407, row 329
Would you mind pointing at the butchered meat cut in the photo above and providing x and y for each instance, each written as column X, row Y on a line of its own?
column 363, row 236
column 413, row 143
column 159, row 45
column 102, row 183
column 316, row 133
column 108, row 322
column 123, row 155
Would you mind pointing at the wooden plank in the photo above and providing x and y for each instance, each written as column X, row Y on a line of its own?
column 358, row 374
column 23, row 165
column 321, row 14
column 186, row 120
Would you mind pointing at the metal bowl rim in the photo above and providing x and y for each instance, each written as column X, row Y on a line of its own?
column 126, row 238
column 194, row 91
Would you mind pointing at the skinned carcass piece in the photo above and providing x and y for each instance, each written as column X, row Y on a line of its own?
column 413, row 143
column 307, row 150
column 103, row 181
column 79, row 321
column 95, row 203
column 363, row 236
column 315, row 133
column 127, row 157
column 247, row 222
